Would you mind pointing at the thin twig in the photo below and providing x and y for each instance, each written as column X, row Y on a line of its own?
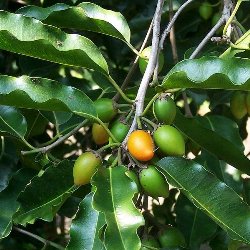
column 139, row 101
column 56, row 143
column 44, row 241
column 167, row 30
column 133, row 68
column 228, row 5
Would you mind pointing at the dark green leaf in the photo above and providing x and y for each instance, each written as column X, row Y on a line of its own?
column 8, row 199
column 84, row 231
column 12, row 122
column 45, row 194
column 113, row 197
column 209, row 73
column 44, row 94
column 28, row 36
column 85, row 16
column 209, row 194
column 213, row 142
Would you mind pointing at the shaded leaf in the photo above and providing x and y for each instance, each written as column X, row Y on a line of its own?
column 213, row 142
column 113, row 197
column 209, row 73
column 214, row 197
column 85, row 16
column 12, row 122
column 8, row 199
column 84, row 231
column 44, row 94
column 45, row 194
column 30, row 37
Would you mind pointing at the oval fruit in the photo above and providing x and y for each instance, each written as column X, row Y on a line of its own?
column 206, row 10
column 99, row 134
column 141, row 145
column 144, row 62
column 164, row 110
column 105, row 109
column 172, row 237
column 169, row 140
column 153, row 182
column 238, row 104
column 119, row 130
column 84, row 167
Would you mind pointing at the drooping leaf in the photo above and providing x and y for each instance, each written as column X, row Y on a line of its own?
column 196, row 226
column 8, row 199
column 213, row 142
column 44, row 94
column 85, row 16
column 113, row 197
column 30, row 37
column 84, row 231
column 45, row 194
column 209, row 73
column 12, row 122
column 210, row 195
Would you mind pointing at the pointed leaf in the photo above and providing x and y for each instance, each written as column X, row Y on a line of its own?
column 8, row 199
column 84, row 231
column 214, row 197
column 209, row 73
column 30, row 37
column 45, row 194
column 113, row 197
column 213, row 142
column 12, row 121
column 85, row 16
column 44, row 94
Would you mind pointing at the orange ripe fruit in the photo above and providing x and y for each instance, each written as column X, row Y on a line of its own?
column 141, row 145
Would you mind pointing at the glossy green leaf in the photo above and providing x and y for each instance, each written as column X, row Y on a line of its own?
column 195, row 225
column 8, row 199
column 209, row 194
column 85, row 16
column 30, row 37
column 209, row 73
column 44, row 94
column 84, row 231
column 113, row 197
column 213, row 142
column 12, row 122
column 45, row 194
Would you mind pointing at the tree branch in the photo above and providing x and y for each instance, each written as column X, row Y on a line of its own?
column 171, row 23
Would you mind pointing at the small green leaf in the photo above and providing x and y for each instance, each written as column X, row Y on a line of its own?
column 213, row 142
column 209, row 194
column 85, row 16
column 12, row 122
column 45, row 194
column 30, row 37
column 44, row 94
column 84, row 231
column 113, row 197
column 209, row 73
column 8, row 199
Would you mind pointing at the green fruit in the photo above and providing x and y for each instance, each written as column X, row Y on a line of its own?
column 119, row 130
column 169, row 140
column 172, row 237
column 105, row 109
column 238, row 104
column 144, row 62
column 206, row 10
column 149, row 242
column 133, row 176
column 153, row 182
column 84, row 167
column 99, row 134
column 164, row 110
